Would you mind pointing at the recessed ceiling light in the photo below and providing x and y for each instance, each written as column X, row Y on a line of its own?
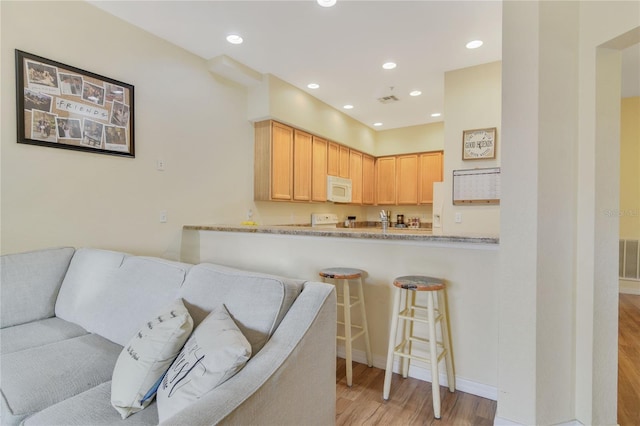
column 377, row 124
column 313, row 85
column 436, row 114
column 348, row 106
column 234, row 39
column 474, row 44
column 389, row 65
column 415, row 93
column 326, row 3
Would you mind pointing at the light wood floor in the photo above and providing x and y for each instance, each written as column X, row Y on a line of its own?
column 409, row 402
column 410, row 399
column 629, row 361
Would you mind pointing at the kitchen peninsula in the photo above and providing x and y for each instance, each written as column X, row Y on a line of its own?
column 469, row 264
column 369, row 233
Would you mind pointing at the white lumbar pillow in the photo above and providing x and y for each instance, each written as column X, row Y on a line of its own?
column 146, row 358
column 216, row 351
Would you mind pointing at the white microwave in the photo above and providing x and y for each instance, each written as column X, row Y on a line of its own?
column 338, row 189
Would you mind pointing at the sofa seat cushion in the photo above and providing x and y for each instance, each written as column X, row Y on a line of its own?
column 92, row 407
column 30, row 284
column 111, row 293
column 39, row 377
column 256, row 302
column 7, row 418
column 37, row 333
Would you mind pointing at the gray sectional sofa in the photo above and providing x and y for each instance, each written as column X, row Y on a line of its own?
column 66, row 315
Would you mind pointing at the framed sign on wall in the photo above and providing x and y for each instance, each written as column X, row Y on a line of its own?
column 61, row 106
column 479, row 144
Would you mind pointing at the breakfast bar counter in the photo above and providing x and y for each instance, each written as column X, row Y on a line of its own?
column 469, row 264
column 367, row 233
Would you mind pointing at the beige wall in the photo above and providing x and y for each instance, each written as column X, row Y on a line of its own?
column 630, row 168
column 600, row 81
column 276, row 99
column 195, row 123
column 629, row 212
column 472, row 101
column 558, row 267
column 406, row 140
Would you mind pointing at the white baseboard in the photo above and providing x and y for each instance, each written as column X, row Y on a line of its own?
column 499, row 421
column 422, row 373
column 629, row 287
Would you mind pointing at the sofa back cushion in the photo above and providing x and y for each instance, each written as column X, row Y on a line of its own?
column 30, row 284
column 256, row 302
column 113, row 294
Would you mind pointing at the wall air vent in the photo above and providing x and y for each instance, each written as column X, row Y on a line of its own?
column 629, row 266
column 388, row 99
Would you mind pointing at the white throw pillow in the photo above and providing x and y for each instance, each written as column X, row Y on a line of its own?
column 216, row 351
column 146, row 358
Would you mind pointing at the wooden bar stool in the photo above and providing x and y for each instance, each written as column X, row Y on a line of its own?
column 346, row 276
column 434, row 313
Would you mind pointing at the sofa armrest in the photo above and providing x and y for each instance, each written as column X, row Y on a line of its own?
column 291, row 381
column 30, row 283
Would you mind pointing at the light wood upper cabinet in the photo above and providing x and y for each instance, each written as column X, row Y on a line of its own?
column 407, row 179
column 338, row 160
column 302, row 152
column 333, row 159
column 273, row 165
column 355, row 167
column 386, row 180
column 368, row 179
column 344, row 161
column 319, row 170
column 292, row 165
column 430, row 170
column 333, row 151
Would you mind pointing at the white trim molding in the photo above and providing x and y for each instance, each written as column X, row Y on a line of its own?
column 422, row 373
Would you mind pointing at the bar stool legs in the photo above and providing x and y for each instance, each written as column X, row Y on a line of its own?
column 431, row 315
column 392, row 340
column 344, row 276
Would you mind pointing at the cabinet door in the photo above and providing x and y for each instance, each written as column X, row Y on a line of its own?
column 343, row 163
column 355, row 167
column 319, row 170
column 407, row 179
column 386, row 180
column 281, row 162
column 368, row 179
column 333, row 159
column 430, row 171
column 302, row 153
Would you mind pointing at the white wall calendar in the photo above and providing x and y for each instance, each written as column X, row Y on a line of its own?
column 476, row 186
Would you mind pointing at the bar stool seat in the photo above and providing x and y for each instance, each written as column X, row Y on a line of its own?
column 346, row 276
column 435, row 312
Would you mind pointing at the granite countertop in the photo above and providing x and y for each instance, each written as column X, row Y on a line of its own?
column 372, row 233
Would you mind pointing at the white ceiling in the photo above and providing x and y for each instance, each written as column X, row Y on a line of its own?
column 343, row 48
